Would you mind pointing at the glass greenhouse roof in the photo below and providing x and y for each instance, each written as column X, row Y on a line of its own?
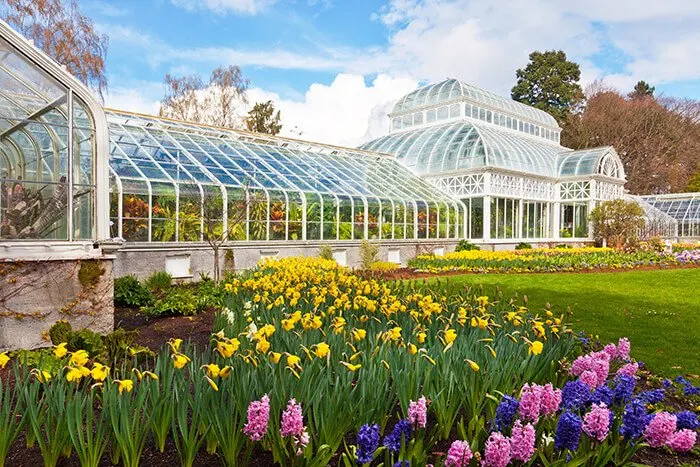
column 452, row 90
column 148, row 148
column 467, row 145
column 684, row 207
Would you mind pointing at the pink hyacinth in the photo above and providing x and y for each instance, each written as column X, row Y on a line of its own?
column 292, row 420
column 660, row 429
column 458, row 455
column 611, row 350
column 550, row 399
column 418, row 412
column 581, row 364
column 258, row 418
column 497, row 452
column 301, row 441
column 530, row 398
column 682, row 440
column 600, row 365
column 590, row 379
column 623, row 348
column 629, row 369
column 596, row 423
column 522, row 441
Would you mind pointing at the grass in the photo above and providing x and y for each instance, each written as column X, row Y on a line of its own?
column 658, row 310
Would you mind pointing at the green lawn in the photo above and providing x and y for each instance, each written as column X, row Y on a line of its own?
column 658, row 310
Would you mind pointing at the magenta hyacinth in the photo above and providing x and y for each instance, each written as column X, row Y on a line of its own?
column 418, row 412
column 682, row 440
column 458, row 455
column 660, row 429
column 530, row 399
column 623, row 348
column 292, row 420
column 611, row 350
column 522, row 441
column 596, row 423
column 550, row 399
column 629, row 369
column 258, row 418
column 497, row 452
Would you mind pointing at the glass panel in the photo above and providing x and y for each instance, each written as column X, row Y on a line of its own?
column 30, row 210
column 330, row 218
column 164, row 212
column 313, row 216
column 476, row 216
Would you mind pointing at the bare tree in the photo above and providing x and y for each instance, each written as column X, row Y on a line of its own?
column 215, row 232
column 658, row 139
column 59, row 29
column 217, row 103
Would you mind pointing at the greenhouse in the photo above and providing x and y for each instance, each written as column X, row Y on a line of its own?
column 503, row 160
column 684, row 208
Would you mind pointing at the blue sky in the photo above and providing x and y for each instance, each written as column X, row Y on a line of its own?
column 346, row 61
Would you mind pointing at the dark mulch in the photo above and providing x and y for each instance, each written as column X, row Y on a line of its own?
column 154, row 332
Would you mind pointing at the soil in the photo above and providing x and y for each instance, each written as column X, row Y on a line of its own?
column 154, row 332
column 410, row 273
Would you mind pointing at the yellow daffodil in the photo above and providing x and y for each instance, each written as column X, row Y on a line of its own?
column 79, row 358
column 275, row 357
column 180, row 360
column 225, row 372
column 4, row 359
column 394, row 333
column 412, row 349
column 212, row 370
column 151, row 375
column 351, row 367
column 472, row 364
column 60, row 350
column 75, row 374
column 421, row 337
column 41, row 375
column 124, row 385
column 227, row 347
column 228, row 287
column 175, row 344
column 99, row 372
column 450, row 336
column 262, row 346
column 322, row 350
column 212, row 383
column 293, row 361
column 358, row 334
column 535, row 348
column 288, row 324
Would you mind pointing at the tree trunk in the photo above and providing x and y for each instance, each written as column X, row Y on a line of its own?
column 216, row 265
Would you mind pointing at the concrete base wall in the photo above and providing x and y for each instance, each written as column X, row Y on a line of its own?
column 36, row 294
column 187, row 260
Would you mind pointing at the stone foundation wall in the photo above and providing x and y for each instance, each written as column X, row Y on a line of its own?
column 35, row 294
column 187, row 260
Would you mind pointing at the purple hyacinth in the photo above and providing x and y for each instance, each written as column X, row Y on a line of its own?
column 602, row 395
column 402, row 464
column 652, row 396
column 624, row 386
column 402, row 430
column 687, row 420
column 568, row 433
column 505, row 412
column 367, row 443
column 574, row 395
column 634, row 420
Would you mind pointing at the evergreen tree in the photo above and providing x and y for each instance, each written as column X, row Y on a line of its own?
column 549, row 82
column 641, row 90
column 262, row 118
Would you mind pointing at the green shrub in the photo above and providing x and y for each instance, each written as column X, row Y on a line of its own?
column 87, row 340
column 178, row 301
column 60, row 332
column 523, row 246
column 466, row 245
column 128, row 291
column 118, row 343
column 368, row 254
column 564, row 246
column 325, row 252
column 159, row 281
column 43, row 359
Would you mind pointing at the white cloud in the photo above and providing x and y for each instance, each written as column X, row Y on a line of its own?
column 346, row 112
column 143, row 97
column 221, row 7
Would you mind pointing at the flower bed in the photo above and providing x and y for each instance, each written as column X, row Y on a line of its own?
column 683, row 246
column 688, row 256
column 543, row 260
column 313, row 356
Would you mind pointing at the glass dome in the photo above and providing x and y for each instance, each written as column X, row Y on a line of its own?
column 600, row 161
column 456, row 90
column 466, row 145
